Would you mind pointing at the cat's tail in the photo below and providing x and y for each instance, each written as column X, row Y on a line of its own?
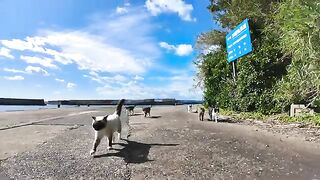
column 119, row 106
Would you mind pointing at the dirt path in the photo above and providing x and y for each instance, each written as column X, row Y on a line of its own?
column 171, row 144
column 184, row 148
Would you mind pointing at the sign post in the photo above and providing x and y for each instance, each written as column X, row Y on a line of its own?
column 234, row 74
column 238, row 44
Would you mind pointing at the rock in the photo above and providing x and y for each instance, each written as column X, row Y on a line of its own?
column 311, row 139
column 74, row 127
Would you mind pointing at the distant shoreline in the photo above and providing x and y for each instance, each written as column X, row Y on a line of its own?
column 42, row 102
column 21, row 108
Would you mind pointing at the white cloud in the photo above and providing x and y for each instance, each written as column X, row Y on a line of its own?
column 180, row 77
column 33, row 69
column 11, row 70
column 36, row 44
column 157, row 7
column 184, row 49
column 118, row 51
column 180, row 50
column 18, row 44
column 60, row 80
column 113, row 44
column 90, row 53
column 46, row 62
column 179, row 89
column 71, row 85
column 138, row 78
column 121, row 10
column 14, row 78
column 6, row 53
column 167, row 46
column 106, row 79
column 177, row 84
column 28, row 70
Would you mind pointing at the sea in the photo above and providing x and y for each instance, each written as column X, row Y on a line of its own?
column 5, row 108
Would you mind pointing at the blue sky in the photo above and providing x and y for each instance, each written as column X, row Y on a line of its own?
column 100, row 49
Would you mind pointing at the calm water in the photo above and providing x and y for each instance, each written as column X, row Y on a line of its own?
column 4, row 108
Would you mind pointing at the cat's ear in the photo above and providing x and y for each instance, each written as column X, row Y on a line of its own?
column 94, row 118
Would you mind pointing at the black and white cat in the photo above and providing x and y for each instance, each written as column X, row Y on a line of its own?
column 107, row 126
column 130, row 110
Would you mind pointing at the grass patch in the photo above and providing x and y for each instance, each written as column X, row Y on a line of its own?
column 314, row 120
column 283, row 118
column 244, row 115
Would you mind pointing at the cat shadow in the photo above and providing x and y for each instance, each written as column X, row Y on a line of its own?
column 133, row 152
column 226, row 120
column 154, row 117
column 137, row 114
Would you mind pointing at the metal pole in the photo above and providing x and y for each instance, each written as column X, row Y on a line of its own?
column 234, row 85
column 234, row 75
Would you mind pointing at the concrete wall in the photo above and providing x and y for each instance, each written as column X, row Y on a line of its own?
column 17, row 102
column 127, row 102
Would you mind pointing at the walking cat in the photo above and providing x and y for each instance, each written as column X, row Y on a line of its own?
column 201, row 113
column 130, row 110
column 146, row 111
column 106, row 126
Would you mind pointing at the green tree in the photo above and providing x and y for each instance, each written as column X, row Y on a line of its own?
column 298, row 25
column 284, row 65
column 216, row 77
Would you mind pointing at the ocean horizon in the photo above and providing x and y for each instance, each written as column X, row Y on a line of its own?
column 12, row 108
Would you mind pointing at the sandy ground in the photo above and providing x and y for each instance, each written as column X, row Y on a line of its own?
column 171, row 144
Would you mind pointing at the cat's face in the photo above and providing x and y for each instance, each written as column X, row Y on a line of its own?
column 99, row 122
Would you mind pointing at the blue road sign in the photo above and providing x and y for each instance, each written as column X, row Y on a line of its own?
column 238, row 41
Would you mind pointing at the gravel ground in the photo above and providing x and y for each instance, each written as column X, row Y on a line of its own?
column 306, row 131
column 171, row 144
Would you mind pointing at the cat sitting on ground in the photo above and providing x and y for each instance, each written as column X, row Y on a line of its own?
column 106, row 126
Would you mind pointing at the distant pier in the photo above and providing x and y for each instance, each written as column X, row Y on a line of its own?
column 41, row 102
column 127, row 102
column 22, row 102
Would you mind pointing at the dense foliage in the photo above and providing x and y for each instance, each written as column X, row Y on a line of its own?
column 284, row 66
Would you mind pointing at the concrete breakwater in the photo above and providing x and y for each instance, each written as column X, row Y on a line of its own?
column 127, row 102
column 41, row 102
column 22, row 102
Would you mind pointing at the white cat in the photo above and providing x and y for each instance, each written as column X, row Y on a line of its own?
column 106, row 126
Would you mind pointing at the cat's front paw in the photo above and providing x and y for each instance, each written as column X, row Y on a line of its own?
column 92, row 152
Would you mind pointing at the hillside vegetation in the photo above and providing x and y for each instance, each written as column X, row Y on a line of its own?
column 284, row 66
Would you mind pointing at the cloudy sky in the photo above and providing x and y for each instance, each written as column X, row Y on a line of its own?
column 80, row 49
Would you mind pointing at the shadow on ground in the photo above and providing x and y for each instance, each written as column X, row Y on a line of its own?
column 136, row 114
column 155, row 117
column 133, row 152
column 226, row 120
